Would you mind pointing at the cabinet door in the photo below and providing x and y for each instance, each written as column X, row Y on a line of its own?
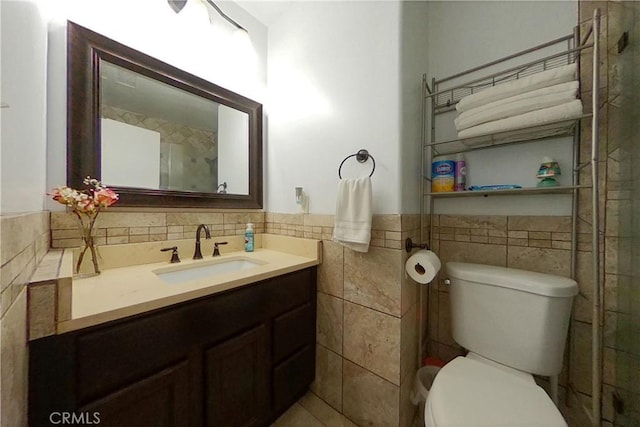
column 236, row 382
column 159, row 400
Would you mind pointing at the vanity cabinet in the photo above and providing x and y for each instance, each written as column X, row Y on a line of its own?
column 237, row 358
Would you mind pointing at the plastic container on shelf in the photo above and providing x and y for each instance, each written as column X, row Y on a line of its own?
column 460, row 173
column 442, row 174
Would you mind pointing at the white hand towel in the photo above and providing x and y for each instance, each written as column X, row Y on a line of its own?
column 353, row 214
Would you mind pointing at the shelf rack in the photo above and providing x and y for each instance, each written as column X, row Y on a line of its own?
column 442, row 95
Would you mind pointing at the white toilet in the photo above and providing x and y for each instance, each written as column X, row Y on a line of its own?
column 514, row 324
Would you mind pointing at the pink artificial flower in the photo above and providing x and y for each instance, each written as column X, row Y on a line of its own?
column 105, row 197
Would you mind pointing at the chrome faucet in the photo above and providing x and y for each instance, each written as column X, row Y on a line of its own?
column 198, row 254
column 216, row 250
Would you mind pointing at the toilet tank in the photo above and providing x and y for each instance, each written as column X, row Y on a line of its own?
column 514, row 317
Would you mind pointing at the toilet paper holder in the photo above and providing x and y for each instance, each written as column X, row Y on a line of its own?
column 409, row 245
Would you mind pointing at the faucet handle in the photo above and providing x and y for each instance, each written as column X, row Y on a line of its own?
column 216, row 250
column 174, row 254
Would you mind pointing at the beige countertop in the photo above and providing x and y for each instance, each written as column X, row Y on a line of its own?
column 127, row 290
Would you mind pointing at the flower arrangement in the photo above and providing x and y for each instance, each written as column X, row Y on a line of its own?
column 86, row 205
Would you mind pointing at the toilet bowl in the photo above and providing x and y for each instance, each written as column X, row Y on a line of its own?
column 514, row 324
column 469, row 392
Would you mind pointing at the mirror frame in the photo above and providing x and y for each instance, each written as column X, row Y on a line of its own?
column 85, row 49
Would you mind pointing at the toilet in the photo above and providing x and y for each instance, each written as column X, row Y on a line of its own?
column 514, row 324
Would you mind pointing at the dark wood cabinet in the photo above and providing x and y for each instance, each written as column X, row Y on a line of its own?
column 236, row 380
column 238, row 358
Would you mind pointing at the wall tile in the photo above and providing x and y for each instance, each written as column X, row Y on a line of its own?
column 550, row 261
column 368, row 399
column 539, row 223
column 373, row 279
column 409, row 344
column 14, row 364
column 42, row 310
column 387, row 222
column 328, row 382
column 474, row 221
column 473, row 252
column 331, row 271
column 372, row 340
column 191, row 218
column 329, row 322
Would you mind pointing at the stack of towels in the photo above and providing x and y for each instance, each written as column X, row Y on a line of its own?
column 537, row 99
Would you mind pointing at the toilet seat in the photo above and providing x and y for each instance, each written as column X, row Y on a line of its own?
column 470, row 393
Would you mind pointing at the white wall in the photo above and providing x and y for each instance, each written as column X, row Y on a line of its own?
column 23, row 123
column 462, row 35
column 186, row 40
column 334, row 88
column 414, row 30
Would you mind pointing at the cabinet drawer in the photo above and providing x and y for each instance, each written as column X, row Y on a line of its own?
column 292, row 330
column 293, row 376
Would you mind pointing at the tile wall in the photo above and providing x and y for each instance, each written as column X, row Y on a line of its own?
column 119, row 226
column 368, row 314
column 25, row 241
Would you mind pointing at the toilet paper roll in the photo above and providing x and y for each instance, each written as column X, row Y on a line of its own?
column 423, row 266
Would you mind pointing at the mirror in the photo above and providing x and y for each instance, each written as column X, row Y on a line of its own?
column 157, row 135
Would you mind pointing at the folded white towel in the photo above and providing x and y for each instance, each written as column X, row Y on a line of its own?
column 519, row 104
column 566, row 111
column 353, row 214
column 539, row 80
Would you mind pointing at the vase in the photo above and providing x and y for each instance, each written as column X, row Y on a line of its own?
column 87, row 264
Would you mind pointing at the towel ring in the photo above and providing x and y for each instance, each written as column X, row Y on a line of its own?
column 361, row 156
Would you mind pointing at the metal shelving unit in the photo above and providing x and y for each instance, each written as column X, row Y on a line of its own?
column 441, row 96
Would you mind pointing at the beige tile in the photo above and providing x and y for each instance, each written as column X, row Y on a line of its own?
column 408, row 411
column 316, row 220
column 14, row 364
column 372, row 340
column 373, row 279
column 410, row 221
column 409, row 344
column 243, row 218
column 444, row 320
column 540, row 223
column 328, row 382
column 473, row 252
column 329, row 322
column 42, row 310
column 282, row 218
column 331, row 271
column 192, row 218
column 474, row 221
column 390, row 222
column 19, row 232
column 581, row 357
column 323, row 412
column 550, row 261
column 297, row 416
column 131, row 219
column 368, row 399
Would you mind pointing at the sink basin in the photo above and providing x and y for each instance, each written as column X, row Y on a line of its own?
column 187, row 273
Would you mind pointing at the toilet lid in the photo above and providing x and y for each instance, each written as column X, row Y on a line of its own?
column 468, row 392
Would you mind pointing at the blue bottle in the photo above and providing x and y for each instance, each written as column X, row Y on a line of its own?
column 248, row 238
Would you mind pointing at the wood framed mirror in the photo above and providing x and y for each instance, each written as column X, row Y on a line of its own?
column 157, row 135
